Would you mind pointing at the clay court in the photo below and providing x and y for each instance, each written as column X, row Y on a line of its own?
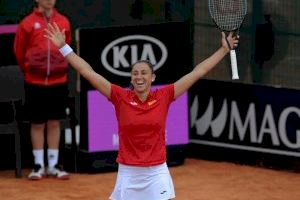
column 194, row 180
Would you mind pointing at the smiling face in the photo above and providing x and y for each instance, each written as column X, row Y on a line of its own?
column 142, row 77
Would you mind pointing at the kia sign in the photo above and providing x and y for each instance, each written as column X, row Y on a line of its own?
column 111, row 51
column 246, row 117
column 119, row 51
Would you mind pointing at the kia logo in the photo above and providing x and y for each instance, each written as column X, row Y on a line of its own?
column 118, row 55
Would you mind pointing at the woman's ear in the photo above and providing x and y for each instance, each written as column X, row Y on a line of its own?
column 153, row 77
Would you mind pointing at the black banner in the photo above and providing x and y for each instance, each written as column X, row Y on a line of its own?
column 246, row 117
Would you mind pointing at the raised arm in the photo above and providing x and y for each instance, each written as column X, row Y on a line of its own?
column 57, row 36
column 184, row 83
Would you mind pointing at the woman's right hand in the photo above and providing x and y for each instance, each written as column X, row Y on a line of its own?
column 56, row 35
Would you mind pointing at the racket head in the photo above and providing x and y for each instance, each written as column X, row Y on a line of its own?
column 228, row 15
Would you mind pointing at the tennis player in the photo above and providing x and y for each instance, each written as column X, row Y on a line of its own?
column 141, row 113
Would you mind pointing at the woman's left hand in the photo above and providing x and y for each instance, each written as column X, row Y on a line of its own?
column 232, row 41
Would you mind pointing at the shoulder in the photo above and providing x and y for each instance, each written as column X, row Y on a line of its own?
column 118, row 93
column 166, row 88
column 61, row 16
column 123, row 92
column 27, row 18
column 27, row 22
column 118, row 89
column 166, row 91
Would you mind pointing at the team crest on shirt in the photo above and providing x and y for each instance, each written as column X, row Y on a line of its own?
column 37, row 25
column 133, row 103
column 152, row 102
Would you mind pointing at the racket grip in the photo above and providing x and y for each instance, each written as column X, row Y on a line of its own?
column 234, row 69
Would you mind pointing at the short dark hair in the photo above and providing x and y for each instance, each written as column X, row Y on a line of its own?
column 150, row 65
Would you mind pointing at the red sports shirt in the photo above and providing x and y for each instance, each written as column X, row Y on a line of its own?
column 142, row 125
column 39, row 59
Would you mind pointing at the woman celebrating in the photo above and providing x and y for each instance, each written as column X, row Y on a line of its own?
column 141, row 114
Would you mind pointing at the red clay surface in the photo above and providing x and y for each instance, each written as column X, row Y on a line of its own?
column 194, row 180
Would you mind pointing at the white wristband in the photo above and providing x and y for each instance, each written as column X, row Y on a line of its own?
column 65, row 50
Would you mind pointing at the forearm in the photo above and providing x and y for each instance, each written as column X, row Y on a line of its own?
column 201, row 69
column 84, row 69
column 198, row 72
column 205, row 66
column 79, row 64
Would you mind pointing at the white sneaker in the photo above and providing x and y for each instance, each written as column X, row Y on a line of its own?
column 37, row 173
column 58, row 173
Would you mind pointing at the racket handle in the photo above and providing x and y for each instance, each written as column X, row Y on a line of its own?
column 234, row 69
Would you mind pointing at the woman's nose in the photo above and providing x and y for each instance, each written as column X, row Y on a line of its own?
column 139, row 76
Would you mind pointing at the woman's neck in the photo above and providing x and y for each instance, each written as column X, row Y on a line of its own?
column 142, row 96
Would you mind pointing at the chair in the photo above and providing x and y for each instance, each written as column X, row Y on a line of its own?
column 11, row 94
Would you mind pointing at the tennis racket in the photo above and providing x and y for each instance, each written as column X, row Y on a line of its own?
column 229, row 15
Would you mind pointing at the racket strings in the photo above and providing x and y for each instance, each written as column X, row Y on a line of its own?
column 228, row 14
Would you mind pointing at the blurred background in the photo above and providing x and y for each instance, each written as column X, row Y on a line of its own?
column 277, row 62
column 268, row 61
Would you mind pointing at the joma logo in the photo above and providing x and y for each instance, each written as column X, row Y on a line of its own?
column 118, row 55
